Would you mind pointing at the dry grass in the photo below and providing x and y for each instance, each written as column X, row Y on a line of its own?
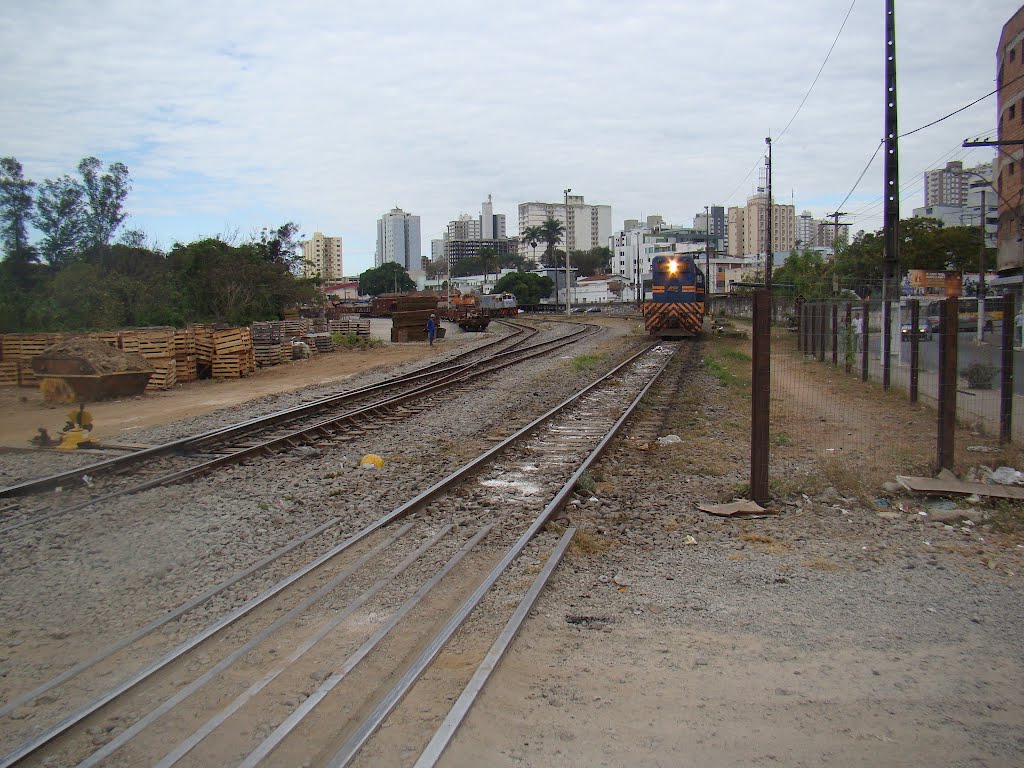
column 758, row 538
column 764, row 543
column 588, row 544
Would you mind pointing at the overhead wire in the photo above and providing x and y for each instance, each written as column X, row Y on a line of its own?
column 802, row 101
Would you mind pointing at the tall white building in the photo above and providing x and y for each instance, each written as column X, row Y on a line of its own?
column 806, row 229
column 398, row 240
column 321, row 255
column 587, row 226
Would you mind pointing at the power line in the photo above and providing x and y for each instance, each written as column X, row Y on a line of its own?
column 966, row 106
column 859, row 178
column 820, row 70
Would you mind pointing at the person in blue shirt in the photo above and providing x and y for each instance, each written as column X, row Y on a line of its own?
column 431, row 329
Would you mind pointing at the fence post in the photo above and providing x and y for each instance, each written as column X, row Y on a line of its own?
column 865, row 333
column 915, row 315
column 760, row 397
column 886, row 344
column 821, row 332
column 835, row 334
column 805, row 310
column 949, row 332
column 799, row 326
column 1006, row 377
column 848, row 359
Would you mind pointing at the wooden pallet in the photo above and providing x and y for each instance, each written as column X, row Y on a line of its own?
column 267, row 354
column 185, row 368
column 360, row 326
column 296, row 327
column 184, row 342
column 231, row 341
column 153, row 344
column 9, row 373
column 113, row 338
column 165, row 374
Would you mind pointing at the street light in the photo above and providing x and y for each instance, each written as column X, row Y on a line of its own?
column 568, row 296
column 981, row 257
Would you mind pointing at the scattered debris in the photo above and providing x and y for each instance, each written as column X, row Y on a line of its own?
column 622, row 581
column 1007, row 476
column 669, row 440
column 739, row 507
column 690, row 539
column 981, row 449
column 941, row 487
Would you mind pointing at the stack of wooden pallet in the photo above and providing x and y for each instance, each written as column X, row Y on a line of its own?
column 296, row 326
column 203, row 333
column 319, row 342
column 267, row 345
column 157, row 345
column 16, row 353
column 185, row 359
column 232, row 353
column 409, row 320
column 360, row 326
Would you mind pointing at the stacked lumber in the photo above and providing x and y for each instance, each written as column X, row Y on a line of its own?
column 16, row 353
column 319, row 342
column 360, row 326
column 232, row 353
column 409, row 320
column 158, row 346
column 203, row 333
column 296, row 327
column 267, row 344
column 318, row 325
column 186, row 367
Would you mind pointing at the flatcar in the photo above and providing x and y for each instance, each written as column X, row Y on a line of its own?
column 676, row 307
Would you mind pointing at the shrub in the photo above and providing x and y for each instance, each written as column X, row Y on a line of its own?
column 979, row 375
column 354, row 341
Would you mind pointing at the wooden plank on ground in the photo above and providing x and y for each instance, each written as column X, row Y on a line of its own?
column 935, row 486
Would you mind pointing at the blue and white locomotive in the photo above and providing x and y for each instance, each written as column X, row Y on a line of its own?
column 676, row 306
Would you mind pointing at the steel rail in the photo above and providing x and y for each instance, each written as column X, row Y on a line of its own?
column 464, row 374
column 443, row 736
column 155, row 714
column 160, row 621
column 33, row 744
column 173, row 446
column 214, row 722
column 391, row 700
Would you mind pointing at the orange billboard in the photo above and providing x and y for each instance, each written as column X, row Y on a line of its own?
column 926, row 282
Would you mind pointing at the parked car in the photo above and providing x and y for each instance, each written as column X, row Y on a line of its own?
column 924, row 329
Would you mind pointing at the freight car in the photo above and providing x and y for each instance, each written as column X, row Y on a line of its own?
column 676, row 306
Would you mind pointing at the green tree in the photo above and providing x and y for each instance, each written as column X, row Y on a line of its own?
column 528, row 287
column 552, row 231
column 471, row 265
column 488, row 260
column 105, row 194
column 808, row 272
column 280, row 245
column 60, row 216
column 533, row 235
column 596, row 261
column 387, row 278
column 15, row 212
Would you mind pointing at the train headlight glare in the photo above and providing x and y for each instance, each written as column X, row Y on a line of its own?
column 673, row 267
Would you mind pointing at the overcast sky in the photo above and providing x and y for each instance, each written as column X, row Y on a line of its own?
column 232, row 115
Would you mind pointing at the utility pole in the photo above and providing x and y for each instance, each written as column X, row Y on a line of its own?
column 891, row 208
column 768, row 249
column 835, row 247
column 981, row 273
column 707, row 251
column 568, row 296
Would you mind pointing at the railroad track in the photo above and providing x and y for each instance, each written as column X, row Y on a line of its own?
column 373, row 630
column 333, row 419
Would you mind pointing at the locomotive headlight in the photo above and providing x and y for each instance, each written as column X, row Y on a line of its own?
column 673, row 266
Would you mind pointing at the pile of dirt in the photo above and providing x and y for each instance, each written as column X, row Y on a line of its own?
column 101, row 358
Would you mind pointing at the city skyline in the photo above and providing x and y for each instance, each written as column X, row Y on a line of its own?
column 208, row 124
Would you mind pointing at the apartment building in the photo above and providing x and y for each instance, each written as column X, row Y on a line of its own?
column 321, row 256
column 466, row 235
column 398, row 240
column 736, row 233
column 587, row 226
column 945, row 186
column 714, row 222
column 1009, row 174
column 748, row 226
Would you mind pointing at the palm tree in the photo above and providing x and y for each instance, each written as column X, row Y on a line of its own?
column 488, row 257
column 533, row 235
column 551, row 233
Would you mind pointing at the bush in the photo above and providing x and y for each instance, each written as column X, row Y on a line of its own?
column 354, row 341
column 979, row 375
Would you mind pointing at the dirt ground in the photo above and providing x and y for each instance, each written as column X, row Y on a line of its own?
column 23, row 411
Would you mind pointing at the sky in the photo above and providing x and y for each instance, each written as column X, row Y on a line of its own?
column 236, row 115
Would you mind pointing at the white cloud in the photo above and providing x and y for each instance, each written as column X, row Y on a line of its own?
column 331, row 113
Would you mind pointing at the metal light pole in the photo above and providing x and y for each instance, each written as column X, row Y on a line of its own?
column 768, row 248
column 707, row 251
column 568, row 296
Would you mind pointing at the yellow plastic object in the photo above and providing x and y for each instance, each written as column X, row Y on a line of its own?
column 56, row 391
column 72, row 438
column 371, row 459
